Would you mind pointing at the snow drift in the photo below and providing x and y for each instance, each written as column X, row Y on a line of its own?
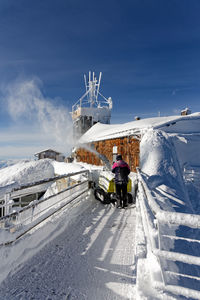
column 26, row 172
column 158, row 161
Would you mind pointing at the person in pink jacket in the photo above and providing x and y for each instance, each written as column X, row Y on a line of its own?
column 121, row 170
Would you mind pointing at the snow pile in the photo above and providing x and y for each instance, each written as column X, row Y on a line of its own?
column 154, row 149
column 24, row 172
column 159, row 163
column 62, row 168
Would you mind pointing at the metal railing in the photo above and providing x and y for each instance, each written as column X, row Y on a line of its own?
column 155, row 221
column 19, row 222
column 191, row 173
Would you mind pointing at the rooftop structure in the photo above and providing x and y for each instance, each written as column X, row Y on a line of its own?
column 91, row 108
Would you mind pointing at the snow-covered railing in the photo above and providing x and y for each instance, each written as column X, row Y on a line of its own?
column 19, row 222
column 161, row 245
column 191, row 173
column 23, row 195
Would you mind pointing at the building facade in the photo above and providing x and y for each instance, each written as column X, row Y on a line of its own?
column 94, row 152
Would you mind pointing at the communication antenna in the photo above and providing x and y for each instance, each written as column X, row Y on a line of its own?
column 92, row 107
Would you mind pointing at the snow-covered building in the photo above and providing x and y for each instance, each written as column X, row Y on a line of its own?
column 185, row 112
column 107, row 140
column 49, row 153
column 90, row 108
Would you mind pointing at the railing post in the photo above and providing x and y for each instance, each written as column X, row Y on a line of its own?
column 7, row 205
column 159, row 237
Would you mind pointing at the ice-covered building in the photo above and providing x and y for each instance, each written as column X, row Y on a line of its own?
column 91, row 108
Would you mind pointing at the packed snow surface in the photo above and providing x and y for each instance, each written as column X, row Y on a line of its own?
column 85, row 253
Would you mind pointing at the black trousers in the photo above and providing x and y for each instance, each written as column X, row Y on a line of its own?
column 121, row 191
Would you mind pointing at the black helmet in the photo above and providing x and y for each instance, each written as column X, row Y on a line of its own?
column 119, row 157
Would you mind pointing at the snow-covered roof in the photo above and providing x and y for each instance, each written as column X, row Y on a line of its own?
column 172, row 124
column 47, row 150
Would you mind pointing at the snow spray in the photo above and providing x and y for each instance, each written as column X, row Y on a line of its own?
column 26, row 104
column 105, row 160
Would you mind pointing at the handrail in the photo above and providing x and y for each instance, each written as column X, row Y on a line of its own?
column 24, row 186
column 41, row 209
column 13, row 192
column 152, row 232
column 190, row 220
column 21, row 234
column 34, row 204
column 152, row 215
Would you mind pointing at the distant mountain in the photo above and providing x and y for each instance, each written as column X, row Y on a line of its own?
column 7, row 163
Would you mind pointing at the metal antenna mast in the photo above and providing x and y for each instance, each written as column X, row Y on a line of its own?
column 89, row 109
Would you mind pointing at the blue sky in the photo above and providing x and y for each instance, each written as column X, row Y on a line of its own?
column 147, row 50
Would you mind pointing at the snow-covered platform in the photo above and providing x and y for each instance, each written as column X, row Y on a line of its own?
column 89, row 254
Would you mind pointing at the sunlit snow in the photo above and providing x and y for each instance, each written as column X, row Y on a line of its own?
column 95, row 251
